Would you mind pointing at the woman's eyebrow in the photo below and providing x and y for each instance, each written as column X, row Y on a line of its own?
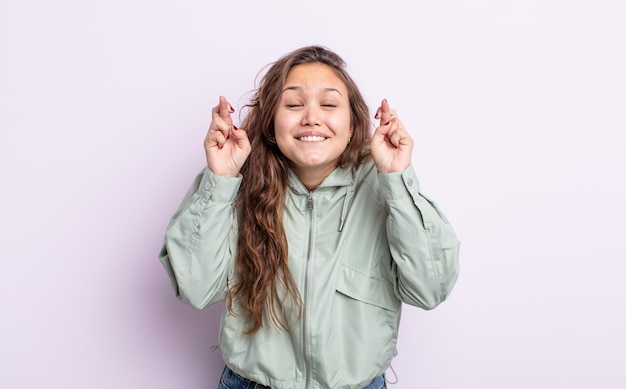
column 299, row 88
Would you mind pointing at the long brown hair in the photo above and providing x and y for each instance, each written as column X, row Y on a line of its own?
column 261, row 263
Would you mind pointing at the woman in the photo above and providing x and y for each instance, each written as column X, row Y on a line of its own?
column 312, row 229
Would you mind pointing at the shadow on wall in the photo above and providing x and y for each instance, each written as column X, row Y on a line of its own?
column 194, row 334
column 175, row 339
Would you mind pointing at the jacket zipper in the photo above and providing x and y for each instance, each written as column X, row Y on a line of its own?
column 306, row 289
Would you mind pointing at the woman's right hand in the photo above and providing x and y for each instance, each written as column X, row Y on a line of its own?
column 226, row 146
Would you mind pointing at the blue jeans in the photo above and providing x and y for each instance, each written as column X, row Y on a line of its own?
column 230, row 380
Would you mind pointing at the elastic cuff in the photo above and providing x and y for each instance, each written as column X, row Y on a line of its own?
column 399, row 185
column 220, row 189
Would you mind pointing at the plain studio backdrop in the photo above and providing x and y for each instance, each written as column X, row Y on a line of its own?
column 517, row 109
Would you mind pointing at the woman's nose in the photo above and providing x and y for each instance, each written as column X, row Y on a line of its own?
column 311, row 116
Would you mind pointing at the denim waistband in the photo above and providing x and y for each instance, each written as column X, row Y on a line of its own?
column 231, row 380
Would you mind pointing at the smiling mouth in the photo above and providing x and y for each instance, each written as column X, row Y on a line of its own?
column 315, row 138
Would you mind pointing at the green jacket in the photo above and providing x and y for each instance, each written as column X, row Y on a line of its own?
column 359, row 245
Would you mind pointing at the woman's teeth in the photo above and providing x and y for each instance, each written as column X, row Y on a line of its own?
column 312, row 138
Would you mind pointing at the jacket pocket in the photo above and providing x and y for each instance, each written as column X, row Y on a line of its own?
column 359, row 286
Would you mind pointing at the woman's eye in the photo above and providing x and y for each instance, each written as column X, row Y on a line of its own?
column 293, row 105
column 329, row 105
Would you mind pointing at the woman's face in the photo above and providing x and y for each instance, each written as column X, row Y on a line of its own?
column 312, row 121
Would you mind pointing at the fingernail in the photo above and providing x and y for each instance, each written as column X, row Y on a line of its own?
column 388, row 122
column 385, row 100
column 376, row 116
column 235, row 127
column 232, row 109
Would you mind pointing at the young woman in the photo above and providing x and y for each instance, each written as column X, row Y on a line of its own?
column 312, row 229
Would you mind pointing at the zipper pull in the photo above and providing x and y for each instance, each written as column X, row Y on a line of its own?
column 310, row 202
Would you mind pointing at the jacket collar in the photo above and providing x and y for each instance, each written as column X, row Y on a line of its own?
column 343, row 178
column 338, row 178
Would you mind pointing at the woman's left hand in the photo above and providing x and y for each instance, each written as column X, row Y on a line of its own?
column 391, row 146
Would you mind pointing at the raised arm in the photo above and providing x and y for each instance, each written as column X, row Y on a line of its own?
column 422, row 242
column 201, row 238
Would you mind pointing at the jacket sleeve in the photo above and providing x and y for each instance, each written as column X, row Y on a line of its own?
column 423, row 245
column 200, row 240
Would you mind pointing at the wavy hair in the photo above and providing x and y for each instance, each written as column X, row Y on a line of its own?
column 263, row 278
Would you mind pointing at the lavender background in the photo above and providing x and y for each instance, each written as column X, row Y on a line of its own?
column 518, row 113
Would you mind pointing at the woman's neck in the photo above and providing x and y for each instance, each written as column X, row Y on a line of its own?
column 313, row 177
